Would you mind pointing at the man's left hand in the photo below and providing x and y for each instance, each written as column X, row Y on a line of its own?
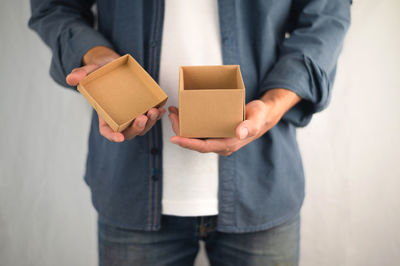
column 261, row 116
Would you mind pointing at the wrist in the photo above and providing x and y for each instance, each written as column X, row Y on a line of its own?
column 99, row 55
column 280, row 99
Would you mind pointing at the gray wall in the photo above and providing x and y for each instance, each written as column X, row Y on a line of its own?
column 351, row 153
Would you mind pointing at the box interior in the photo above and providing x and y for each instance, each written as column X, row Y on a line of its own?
column 121, row 88
column 211, row 77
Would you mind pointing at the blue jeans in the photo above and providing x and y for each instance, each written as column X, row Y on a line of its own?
column 177, row 244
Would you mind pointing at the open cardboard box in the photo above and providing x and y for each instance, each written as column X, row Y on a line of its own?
column 120, row 91
column 211, row 101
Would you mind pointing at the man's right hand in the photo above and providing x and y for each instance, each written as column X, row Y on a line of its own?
column 94, row 59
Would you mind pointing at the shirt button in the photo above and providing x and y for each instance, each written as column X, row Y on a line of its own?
column 154, row 177
column 153, row 43
column 154, row 151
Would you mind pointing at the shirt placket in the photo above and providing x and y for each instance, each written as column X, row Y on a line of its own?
column 154, row 135
column 227, row 165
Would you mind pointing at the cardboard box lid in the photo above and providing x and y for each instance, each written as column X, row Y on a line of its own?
column 120, row 91
column 211, row 101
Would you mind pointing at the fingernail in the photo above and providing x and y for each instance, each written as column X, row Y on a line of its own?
column 153, row 117
column 243, row 132
column 142, row 123
column 174, row 141
column 117, row 138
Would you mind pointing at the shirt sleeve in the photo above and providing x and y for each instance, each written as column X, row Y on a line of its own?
column 308, row 56
column 66, row 26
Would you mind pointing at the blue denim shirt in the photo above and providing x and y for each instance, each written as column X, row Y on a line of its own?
column 292, row 44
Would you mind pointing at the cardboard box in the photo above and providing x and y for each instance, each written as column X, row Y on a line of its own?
column 211, row 101
column 120, row 91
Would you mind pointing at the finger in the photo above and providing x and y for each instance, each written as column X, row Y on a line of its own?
column 107, row 132
column 208, row 145
column 137, row 126
column 161, row 111
column 242, row 130
column 80, row 73
column 173, row 109
column 192, row 144
column 152, row 116
column 248, row 128
column 174, row 119
column 255, row 120
column 226, row 153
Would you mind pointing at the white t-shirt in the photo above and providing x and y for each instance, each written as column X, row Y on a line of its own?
column 190, row 37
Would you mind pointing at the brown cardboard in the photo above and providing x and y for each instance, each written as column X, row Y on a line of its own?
column 211, row 101
column 120, row 91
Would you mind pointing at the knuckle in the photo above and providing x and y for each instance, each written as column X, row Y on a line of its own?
column 137, row 129
column 205, row 149
column 226, row 153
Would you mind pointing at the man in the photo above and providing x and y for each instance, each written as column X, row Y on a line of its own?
column 155, row 195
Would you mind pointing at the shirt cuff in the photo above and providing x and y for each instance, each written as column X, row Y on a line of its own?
column 74, row 43
column 301, row 75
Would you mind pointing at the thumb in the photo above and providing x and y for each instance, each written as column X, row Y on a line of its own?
column 248, row 128
column 80, row 73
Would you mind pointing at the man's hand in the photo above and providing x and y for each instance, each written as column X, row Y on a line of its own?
column 94, row 59
column 261, row 116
